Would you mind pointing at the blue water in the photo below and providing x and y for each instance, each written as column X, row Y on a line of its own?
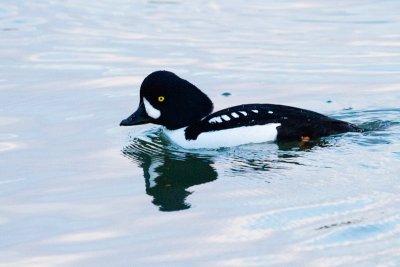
column 78, row 190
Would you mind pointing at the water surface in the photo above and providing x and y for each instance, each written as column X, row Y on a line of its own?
column 78, row 190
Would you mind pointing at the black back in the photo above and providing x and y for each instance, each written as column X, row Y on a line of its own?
column 295, row 122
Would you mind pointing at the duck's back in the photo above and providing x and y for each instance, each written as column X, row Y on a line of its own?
column 291, row 123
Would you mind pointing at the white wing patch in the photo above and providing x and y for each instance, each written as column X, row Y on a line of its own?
column 235, row 115
column 215, row 120
column 243, row 112
column 255, row 110
column 150, row 110
column 225, row 118
column 270, row 112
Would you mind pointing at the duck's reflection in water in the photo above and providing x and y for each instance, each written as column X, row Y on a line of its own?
column 169, row 174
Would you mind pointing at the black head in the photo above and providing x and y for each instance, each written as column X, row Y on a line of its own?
column 170, row 101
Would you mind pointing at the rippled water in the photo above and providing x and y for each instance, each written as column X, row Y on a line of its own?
column 77, row 190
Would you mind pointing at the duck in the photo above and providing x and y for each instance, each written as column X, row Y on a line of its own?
column 187, row 119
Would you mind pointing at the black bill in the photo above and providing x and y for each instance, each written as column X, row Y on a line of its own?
column 138, row 117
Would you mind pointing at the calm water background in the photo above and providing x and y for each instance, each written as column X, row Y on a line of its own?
column 78, row 190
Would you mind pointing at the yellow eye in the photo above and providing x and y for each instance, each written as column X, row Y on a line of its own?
column 161, row 99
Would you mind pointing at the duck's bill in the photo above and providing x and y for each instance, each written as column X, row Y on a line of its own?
column 138, row 117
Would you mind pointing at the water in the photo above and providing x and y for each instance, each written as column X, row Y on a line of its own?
column 78, row 190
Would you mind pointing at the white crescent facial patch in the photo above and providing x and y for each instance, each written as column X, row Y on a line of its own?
column 150, row 110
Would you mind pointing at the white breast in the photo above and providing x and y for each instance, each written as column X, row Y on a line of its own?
column 226, row 138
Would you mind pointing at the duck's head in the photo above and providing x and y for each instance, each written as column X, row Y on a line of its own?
column 168, row 100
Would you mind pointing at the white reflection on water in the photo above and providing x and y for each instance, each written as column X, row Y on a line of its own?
column 80, row 192
column 7, row 146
